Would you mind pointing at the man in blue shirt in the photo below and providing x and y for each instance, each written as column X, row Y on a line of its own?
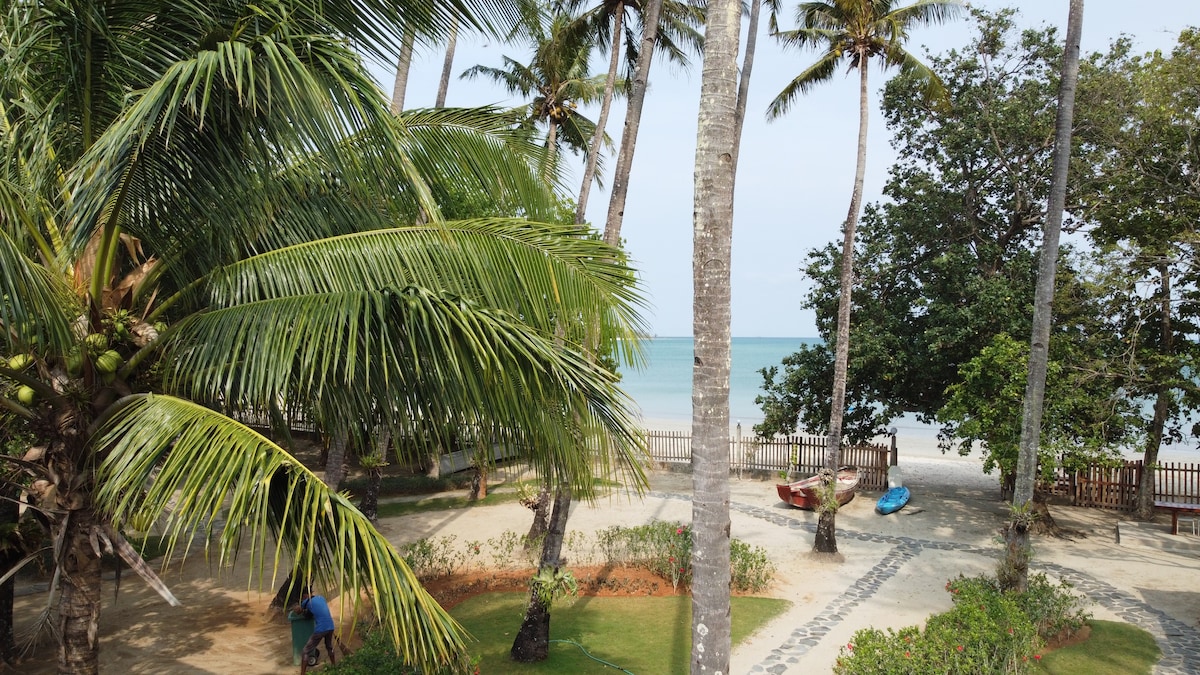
column 322, row 627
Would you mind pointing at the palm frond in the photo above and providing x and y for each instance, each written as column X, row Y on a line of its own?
column 435, row 359
column 491, row 159
column 36, row 307
column 208, row 475
column 819, row 72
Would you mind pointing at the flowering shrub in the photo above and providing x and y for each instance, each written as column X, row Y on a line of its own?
column 987, row 631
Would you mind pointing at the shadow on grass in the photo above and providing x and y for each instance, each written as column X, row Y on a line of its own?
column 646, row 636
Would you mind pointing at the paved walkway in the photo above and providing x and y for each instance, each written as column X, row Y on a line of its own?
column 1179, row 641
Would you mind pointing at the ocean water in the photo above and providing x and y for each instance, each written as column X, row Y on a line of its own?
column 663, row 389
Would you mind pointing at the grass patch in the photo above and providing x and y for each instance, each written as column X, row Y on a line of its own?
column 646, row 636
column 412, row 485
column 1113, row 648
column 393, row 509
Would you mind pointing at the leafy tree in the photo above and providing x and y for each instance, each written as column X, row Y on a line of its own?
column 1135, row 187
column 207, row 211
column 1086, row 414
column 948, row 259
column 853, row 31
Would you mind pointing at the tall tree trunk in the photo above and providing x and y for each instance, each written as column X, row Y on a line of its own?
column 79, row 601
column 447, row 66
column 403, row 64
column 589, row 169
column 825, row 540
column 541, row 518
column 1144, row 509
column 533, row 639
column 1016, row 534
column 335, row 465
column 551, row 148
column 369, row 506
column 744, row 79
column 716, row 146
column 651, row 11
column 9, row 556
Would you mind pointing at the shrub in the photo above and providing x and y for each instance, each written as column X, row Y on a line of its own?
column 665, row 548
column 987, row 631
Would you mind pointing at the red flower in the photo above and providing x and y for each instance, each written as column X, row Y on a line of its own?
column 1038, row 657
column 907, row 655
column 679, row 531
column 960, row 648
column 850, row 646
column 672, row 559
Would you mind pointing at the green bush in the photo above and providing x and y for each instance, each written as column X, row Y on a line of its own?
column 665, row 548
column 986, row 631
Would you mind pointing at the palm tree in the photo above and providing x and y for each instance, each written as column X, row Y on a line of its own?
column 1014, row 572
column 652, row 12
column 207, row 213
column 615, row 21
column 716, row 143
column 556, row 79
column 853, row 31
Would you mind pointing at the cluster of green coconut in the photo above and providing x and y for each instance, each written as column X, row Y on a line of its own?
column 98, row 348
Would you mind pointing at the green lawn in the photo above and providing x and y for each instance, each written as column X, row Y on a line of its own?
column 644, row 636
column 1112, row 649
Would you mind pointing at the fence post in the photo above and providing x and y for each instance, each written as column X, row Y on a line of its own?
column 895, row 456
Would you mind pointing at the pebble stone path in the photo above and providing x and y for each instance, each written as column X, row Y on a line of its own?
column 1179, row 642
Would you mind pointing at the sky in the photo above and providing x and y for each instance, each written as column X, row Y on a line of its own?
column 795, row 174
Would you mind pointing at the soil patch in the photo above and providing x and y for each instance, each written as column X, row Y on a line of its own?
column 596, row 580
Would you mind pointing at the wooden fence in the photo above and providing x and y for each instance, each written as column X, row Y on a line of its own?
column 1115, row 487
column 805, row 455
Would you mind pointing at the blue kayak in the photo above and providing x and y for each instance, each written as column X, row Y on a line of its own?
column 893, row 500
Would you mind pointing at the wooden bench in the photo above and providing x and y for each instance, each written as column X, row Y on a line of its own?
column 1176, row 508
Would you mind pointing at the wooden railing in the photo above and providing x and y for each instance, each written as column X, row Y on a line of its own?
column 804, row 455
column 1116, row 487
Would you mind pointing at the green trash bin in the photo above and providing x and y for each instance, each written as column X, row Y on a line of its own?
column 302, row 629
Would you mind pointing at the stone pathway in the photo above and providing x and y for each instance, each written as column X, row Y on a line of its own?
column 1179, row 642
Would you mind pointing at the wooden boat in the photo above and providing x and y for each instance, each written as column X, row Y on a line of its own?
column 803, row 493
column 893, row 500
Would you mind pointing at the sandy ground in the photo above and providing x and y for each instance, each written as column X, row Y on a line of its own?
column 892, row 572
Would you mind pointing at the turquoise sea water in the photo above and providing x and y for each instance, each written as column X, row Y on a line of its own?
column 663, row 389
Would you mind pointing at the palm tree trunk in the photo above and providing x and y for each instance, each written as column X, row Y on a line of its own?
column 541, row 518
column 1144, row 509
column 826, row 537
column 633, row 121
column 403, row 64
column 551, row 148
column 369, row 506
column 447, row 66
column 11, row 553
column 335, row 465
column 1035, row 387
column 747, row 68
column 79, row 601
column 716, row 146
column 589, row 170
column 532, row 642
